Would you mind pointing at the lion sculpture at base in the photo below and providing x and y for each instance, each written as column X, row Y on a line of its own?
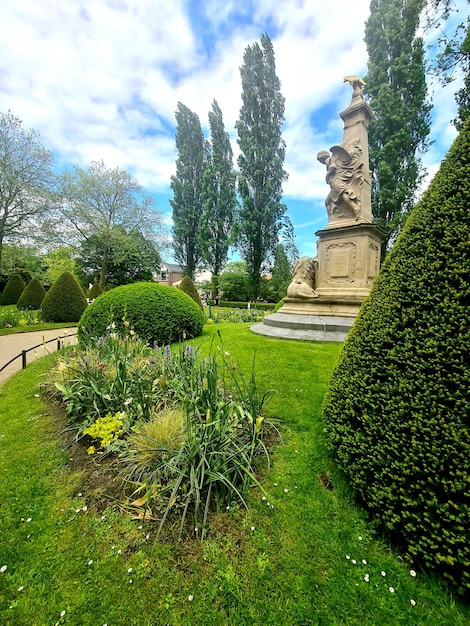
column 303, row 279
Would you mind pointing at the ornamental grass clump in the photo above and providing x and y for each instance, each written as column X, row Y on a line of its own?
column 215, row 456
column 397, row 410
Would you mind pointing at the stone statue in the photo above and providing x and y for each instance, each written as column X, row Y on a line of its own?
column 344, row 174
column 303, row 279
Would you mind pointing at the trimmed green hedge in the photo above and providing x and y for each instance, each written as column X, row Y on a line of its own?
column 397, row 410
column 13, row 290
column 259, row 306
column 65, row 300
column 157, row 313
column 95, row 291
column 189, row 287
column 32, row 296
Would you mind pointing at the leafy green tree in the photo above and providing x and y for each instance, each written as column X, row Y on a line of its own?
column 451, row 53
column 281, row 275
column 130, row 258
column 235, row 282
column 21, row 259
column 26, row 177
column 262, row 215
column 398, row 132
column 219, row 184
column 187, row 187
column 58, row 261
column 96, row 200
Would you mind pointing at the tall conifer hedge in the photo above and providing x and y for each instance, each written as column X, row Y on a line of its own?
column 397, row 410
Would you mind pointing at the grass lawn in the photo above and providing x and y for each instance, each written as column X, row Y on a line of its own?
column 312, row 558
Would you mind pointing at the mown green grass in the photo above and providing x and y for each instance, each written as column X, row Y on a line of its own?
column 281, row 565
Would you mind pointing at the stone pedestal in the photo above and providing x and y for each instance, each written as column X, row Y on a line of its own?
column 348, row 248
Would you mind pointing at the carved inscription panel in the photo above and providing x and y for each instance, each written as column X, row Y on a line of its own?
column 340, row 263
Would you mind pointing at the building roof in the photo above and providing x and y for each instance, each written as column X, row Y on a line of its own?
column 172, row 267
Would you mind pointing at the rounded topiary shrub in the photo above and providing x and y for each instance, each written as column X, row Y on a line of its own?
column 397, row 409
column 13, row 290
column 189, row 287
column 32, row 296
column 157, row 313
column 65, row 300
column 95, row 291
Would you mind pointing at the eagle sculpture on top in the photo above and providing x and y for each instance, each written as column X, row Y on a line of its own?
column 356, row 83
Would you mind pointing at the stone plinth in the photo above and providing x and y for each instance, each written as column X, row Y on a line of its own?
column 348, row 261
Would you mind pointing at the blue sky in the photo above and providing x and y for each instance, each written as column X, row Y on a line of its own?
column 100, row 79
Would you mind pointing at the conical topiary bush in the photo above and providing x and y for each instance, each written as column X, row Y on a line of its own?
column 13, row 290
column 65, row 300
column 32, row 296
column 397, row 409
column 95, row 291
column 189, row 287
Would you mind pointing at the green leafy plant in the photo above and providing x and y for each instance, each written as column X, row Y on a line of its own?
column 105, row 429
column 11, row 317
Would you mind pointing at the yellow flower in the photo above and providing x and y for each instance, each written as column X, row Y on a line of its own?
column 91, row 450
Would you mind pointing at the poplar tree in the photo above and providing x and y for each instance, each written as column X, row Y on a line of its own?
column 398, row 132
column 262, row 215
column 187, row 186
column 219, row 184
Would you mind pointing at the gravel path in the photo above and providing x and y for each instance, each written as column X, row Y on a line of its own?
column 13, row 345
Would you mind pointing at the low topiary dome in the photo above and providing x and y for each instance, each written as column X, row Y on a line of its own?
column 157, row 313
column 32, row 296
column 189, row 287
column 65, row 300
column 13, row 290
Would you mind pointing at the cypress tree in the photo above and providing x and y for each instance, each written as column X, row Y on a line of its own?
column 396, row 84
column 262, row 215
column 188, row 199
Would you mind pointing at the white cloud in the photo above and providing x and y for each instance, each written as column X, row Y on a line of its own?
column 102, row 79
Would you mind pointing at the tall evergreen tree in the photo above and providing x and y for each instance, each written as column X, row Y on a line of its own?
column 188, row 198
column 281, row 274
column 219, row 184
column 398, row 132
column 262, row 214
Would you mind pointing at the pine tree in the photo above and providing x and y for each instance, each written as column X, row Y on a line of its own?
column 188, row 199
column 262, row 214
column 219, row 183
column 396, row 84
